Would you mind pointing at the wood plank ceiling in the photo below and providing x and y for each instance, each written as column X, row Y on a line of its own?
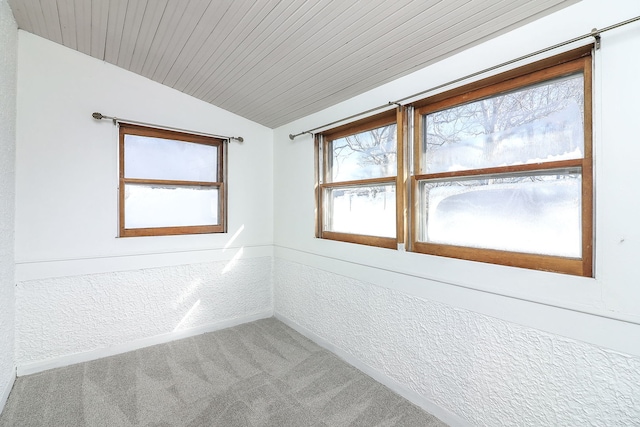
column 273, row 61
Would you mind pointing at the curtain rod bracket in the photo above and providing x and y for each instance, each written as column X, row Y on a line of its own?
column 596, row 35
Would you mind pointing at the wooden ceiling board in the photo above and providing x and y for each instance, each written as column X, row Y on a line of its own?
column 396, row 49
column 130, row 32
column 330, row 52
column 48, row 27
column 317, row 39
column 193, row 13
column 201, row 34
column 272, row 49
column 148, row 30
column 209, row 52
column 83, row 25
column 67, row 23
column 255, row 46
column 274, row 61
column 361, row 61
column 171, row 16
column 52, row 25
column 21, row 14
column 236, row 41
column 299, row 49
column 98, row 25
column 313, row 94
column 115, row 25
column 309, row 57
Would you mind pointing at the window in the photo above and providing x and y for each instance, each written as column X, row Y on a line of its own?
column 503, row 169
column 357, row 173
column 500, row 171
column 170, row 183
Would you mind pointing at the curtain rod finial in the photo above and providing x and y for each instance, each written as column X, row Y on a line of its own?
column 292, row 136
column 97, row 116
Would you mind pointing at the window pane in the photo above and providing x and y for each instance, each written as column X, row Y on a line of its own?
column 158, row 158
column 369, row 154
column 540, row 123
column 367, row 210
column 538, row 214
column 148, row 206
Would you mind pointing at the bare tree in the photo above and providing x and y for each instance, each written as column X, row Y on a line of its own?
column 526, row 114
column 375, row 147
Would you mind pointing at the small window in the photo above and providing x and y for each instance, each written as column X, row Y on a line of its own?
column 357, row 173
column 170, row 183
column 504, row 170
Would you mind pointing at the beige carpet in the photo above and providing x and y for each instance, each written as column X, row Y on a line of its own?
column 257, row 374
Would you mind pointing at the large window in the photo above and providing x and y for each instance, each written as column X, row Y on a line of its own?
column 503, row 170
column 170, row 183
column 497, row 171
column 357, row 173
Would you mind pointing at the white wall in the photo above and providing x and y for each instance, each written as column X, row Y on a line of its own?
column 80, row 288
column 443, row 330
column 8, row 84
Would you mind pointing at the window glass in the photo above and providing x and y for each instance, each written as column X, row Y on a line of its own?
column 368, row 210
column 165, row 159
column 148, row 206
column 368, row 154
column 539, row 123
column 533, row 213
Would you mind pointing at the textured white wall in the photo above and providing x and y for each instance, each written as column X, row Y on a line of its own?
column 81, row 289
column 66, row 315
column 487, row 371
column 8, row 83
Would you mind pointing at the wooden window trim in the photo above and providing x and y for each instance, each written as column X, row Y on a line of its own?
column 324, row 182
column 578, row 60
column 129, row 129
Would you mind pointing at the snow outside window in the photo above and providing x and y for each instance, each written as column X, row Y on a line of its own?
column 503, row 172
column 170, row 183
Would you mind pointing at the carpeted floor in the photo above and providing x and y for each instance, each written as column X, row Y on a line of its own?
column 257, row 374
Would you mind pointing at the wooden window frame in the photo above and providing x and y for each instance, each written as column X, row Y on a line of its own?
column 324, row 183
column 578, row 60
column 130, row 129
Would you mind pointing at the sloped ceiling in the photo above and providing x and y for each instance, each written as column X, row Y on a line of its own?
column 273, row 61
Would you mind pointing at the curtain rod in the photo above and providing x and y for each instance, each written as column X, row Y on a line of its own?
column 99, row 116
column 595, row 33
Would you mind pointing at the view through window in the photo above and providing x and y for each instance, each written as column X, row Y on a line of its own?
column 501, row 172
column 170, row 182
